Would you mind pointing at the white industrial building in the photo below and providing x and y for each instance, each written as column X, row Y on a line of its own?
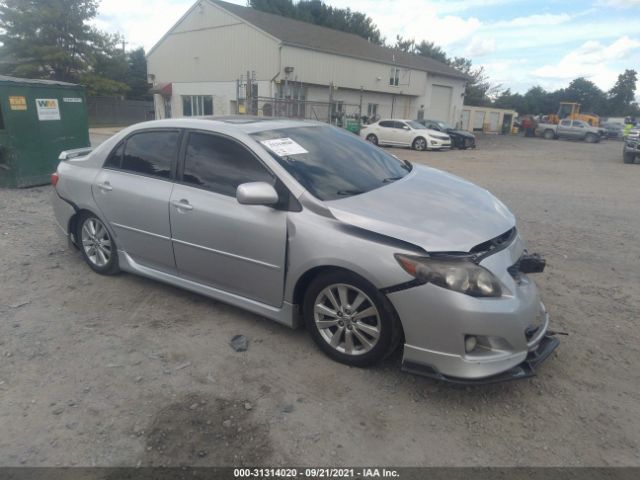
column 196, row 65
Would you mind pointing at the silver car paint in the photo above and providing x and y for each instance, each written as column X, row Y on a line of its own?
column 436, row 210
column 426, row 211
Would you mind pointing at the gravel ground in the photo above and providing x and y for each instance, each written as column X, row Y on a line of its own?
column 125, row 371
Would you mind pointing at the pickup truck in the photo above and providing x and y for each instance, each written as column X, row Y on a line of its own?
column 573, row 129
column 631, row 150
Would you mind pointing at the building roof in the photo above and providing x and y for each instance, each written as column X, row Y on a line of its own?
column 307, row 35
column 35, row 81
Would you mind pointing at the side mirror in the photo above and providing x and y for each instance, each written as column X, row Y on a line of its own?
column 406, row 127
column 256, row 193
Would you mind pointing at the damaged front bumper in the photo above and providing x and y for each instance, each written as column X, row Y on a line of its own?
column 525, row 369
column 509, row 335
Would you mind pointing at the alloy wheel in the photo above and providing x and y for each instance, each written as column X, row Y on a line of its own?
column 96, row 242
column 420, row 144
column 347, row 319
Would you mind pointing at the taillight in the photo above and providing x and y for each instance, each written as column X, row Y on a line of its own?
column 54, row 178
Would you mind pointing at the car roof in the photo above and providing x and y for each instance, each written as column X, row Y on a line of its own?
column 244, row 123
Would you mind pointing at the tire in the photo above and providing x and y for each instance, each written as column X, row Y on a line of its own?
column 339, row 316
column 591, row 138
column 628, row 157
column 96, row 244
column 549, row 134
column 419, row 144
column 372, row 138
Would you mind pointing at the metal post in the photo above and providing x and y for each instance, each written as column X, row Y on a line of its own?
column 330, row 101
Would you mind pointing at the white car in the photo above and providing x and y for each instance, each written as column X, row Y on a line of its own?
column 405, row 133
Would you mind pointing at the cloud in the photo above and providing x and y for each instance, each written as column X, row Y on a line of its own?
column 534, row 20
column 142, row 23
column 619, row 3
column 480, row 46
column 592, row 60
column 588, row 59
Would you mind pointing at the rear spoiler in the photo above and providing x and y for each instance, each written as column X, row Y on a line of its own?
column 76, row 152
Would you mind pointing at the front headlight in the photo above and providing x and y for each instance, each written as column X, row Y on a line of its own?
column 458, row 274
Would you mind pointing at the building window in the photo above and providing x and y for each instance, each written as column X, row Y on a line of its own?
column 372, row 110
column 394, row 78
column 196, row 105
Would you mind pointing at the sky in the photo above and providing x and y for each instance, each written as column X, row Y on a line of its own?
column 521, row 43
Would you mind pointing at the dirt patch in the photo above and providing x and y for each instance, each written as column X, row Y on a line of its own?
column 200, row 430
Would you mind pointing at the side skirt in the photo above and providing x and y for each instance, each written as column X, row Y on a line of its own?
column 286, row 315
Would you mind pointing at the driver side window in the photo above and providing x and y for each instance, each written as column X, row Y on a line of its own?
column 219, row 164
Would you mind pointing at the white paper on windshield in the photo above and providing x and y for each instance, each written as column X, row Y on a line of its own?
column 283, row 147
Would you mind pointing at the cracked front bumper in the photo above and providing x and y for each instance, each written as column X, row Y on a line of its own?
column 511, row 331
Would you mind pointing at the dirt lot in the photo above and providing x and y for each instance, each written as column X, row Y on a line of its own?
column 124, row 371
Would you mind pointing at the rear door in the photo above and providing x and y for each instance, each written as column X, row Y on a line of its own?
column 217, row 241
column 132, row 191
column 386, row 132
column 565, row 129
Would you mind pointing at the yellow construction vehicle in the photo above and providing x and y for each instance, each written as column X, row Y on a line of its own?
column 571, row 111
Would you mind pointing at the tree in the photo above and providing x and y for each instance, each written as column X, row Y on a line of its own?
column 319, row 13
column 480, row 91
column 137, row 74
column 621, row 96
column 586, row 93
column 53, row 39
column 47, row 38
column 431, row 50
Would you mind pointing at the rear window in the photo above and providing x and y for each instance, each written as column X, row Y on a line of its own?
column 151, row 153
column 331, row 163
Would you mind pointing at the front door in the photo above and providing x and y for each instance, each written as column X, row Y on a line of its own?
column 403, row 135
column 217, row 241
column 133, row 191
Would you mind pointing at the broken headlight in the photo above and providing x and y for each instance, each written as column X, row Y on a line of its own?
column 457, row 274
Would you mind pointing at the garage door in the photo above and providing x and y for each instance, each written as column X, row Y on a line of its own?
column 494, row 121
column 440, row 103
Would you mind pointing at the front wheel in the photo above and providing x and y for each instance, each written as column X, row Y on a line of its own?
column 591, row 138
column 97, row 246
column 549, row 134
column 628, row 157
column 372, row 138
column 349, row 319
column 419, row 144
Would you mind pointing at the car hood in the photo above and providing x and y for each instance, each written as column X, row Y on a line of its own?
column 429, row 208
column 461, row 133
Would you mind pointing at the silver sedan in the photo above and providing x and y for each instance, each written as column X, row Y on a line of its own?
column 306, row 223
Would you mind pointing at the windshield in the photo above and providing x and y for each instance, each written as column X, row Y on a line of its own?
column 331, row 163
column 415, row 125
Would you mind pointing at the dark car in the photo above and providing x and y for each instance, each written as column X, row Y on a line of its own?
column 613, row 130
column 459, row 138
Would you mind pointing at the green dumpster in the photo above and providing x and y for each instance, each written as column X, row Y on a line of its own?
column 38, row 120
column 353, row 126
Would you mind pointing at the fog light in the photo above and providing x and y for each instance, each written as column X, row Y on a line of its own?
column 470, row 343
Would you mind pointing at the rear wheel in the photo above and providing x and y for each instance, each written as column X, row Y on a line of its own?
column 372, row 138
column 419, row 144
column 349, row 319
column 549, row 134
column 97, row 246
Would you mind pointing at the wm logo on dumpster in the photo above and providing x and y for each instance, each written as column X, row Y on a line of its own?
column 47, row 103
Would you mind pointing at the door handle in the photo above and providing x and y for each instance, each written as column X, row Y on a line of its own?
column 182, row 204
column 105, row 186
